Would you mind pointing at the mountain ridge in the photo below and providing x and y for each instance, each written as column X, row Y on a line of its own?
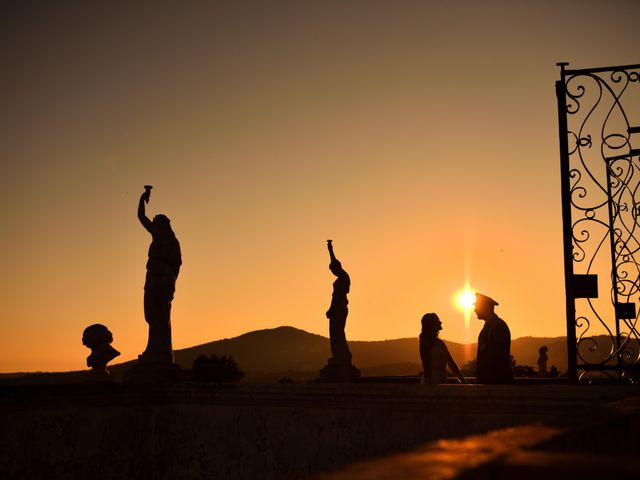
column 286, row 351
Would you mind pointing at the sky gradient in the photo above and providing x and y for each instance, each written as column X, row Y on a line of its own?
column 420, row 136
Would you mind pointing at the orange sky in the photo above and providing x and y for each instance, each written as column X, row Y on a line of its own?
column 420, row 136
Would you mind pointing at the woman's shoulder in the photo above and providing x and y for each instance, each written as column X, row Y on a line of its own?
column 440, row 347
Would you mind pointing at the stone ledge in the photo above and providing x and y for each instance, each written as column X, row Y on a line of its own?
column 273, row 431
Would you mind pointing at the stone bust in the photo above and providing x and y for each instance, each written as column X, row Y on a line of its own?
column 98, row 338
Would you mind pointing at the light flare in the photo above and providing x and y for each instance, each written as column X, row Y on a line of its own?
column 464, row 300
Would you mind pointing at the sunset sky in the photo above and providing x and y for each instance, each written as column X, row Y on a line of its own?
column 420, row 136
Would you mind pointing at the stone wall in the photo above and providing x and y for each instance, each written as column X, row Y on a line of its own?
column 279, row 431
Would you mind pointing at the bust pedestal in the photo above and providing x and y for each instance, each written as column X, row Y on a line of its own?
column 98, row 376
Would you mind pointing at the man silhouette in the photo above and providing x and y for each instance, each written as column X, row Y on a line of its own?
column 494, row 344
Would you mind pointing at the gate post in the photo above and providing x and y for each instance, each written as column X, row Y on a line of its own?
column 565, row 179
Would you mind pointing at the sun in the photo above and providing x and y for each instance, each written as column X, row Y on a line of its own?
column 465, row 299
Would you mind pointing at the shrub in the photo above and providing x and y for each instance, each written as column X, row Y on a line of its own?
column 216, row 369
column 469, row 369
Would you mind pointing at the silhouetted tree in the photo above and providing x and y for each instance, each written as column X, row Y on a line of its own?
column 553, row 371
column 521, row 370
column 216, row 369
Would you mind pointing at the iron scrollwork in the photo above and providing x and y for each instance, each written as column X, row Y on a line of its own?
column 604, row 197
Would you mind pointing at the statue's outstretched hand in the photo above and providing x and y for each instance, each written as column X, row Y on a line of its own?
column 146, row 196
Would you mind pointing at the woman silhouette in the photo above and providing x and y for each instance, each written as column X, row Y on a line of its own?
column 435, row 354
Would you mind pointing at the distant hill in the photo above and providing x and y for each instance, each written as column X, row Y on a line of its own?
column 290, row 348
column 271, row 354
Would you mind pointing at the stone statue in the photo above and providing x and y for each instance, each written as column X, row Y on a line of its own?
column 338, row 311
column 542, row 361
column 98, row 338
column 156, row 364
column 339, row 366
column 163, row 267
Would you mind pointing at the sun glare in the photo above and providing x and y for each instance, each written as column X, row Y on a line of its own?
column 464, row 300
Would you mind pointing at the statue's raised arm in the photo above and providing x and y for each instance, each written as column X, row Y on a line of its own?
column 144, row 198
column 331, row 254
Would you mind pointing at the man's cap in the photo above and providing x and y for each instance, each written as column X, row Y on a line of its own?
column 483, row 299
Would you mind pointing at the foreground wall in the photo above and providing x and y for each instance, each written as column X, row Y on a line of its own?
column 114, row 431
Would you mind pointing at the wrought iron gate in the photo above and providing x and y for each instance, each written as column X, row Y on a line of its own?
column 599, row 121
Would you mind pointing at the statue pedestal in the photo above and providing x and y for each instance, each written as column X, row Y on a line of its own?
column 154, row 372
column 98, row 376
column 339, row 372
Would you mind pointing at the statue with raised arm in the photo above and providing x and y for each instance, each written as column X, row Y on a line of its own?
column 339, row 368
column 163, row 267
column 338, row 311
